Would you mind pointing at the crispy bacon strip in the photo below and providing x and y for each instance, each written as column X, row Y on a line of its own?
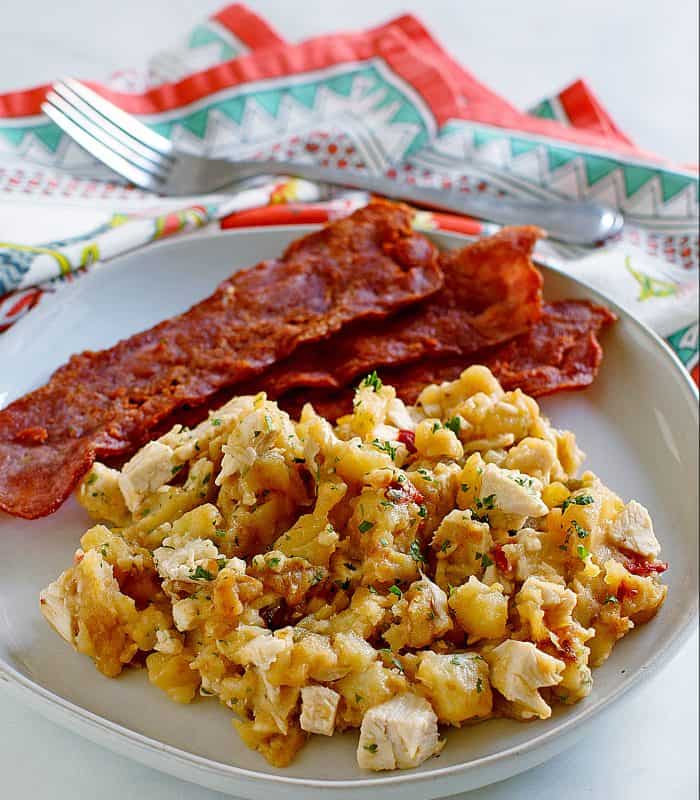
column 560, row 352
column 106, row 403
column 492, row 292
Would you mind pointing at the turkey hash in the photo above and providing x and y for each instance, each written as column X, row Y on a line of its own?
column 409, row 567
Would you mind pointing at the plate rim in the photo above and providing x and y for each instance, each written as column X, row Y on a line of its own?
column 70, row 712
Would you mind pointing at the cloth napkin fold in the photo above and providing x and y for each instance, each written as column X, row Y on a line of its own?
column 388, row 100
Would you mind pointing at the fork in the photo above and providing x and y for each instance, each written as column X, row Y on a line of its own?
column 149, row 160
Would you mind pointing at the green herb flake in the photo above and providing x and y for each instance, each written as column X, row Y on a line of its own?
column 486, row 562
column 216, row 422
column 580, row 500
column 581, row 532
column 415, row 551
column 464, row 487
column 487, row 502
column 176, row 469
column 273, row 562
column 201, row 574
column 582, row 552
column 454, row 424
column 610, row 599
column 395, row 590
column 91, row 479
column 444, row 547
column 479, row 686
column 387, row 653
column 221, row 562
column 436, row 427
column 423, row 511
column 371, row 381
column 385, row 447
column 365, row 525
column 371, row 748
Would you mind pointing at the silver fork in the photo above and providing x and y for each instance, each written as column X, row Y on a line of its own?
column 149, row 160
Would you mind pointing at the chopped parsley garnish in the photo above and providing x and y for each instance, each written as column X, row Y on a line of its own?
column 91, row 479
column 344, row 585
column 457, row 661
column 582, row 552
column 176, row 468
column 436, row 427
column 372, row 590
column 581, row 532
column 359, row 698
column 479, row 686
column 464, row 487
column 201, row 574
column 216, row 422
column 581, row 500
column 384, row 542
column 454, row 424
column 372, row 380
column 385, row 447
column 487, row 502
column 395, row 590
column 273, row 562
column 415, row 551
column 485, row 560
column 611, row 599
column 523, row 480
column 365, row 526
column 423, row 472
column 422, row 511
column 445, row 546
column 385, row 651
column 221, row 562
column 371, row 748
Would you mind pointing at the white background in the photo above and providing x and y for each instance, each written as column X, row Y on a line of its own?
column 640, row 56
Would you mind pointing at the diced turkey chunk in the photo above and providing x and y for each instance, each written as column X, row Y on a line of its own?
column 422, row 614
column 54, row 606
column 400, row 733
column 319, row 705
column 186, row 614
column 512, row 492
column 186, row 563
column 518, row 670
column 632, row 529
column 147, row 471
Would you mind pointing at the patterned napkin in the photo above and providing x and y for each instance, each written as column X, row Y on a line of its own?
column 387, row 100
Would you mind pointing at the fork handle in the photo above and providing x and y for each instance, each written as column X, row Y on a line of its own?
column 573, row 222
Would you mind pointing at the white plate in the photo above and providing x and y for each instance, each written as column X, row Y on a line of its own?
column 638, row 424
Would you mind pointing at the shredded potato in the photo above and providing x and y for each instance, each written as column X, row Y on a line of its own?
column 317, row 578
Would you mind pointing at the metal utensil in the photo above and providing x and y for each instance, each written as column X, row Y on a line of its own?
column 150, row 161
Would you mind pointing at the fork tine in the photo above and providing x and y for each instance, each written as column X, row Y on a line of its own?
column 87, row 124
column 65, row 92
column 120, row 118
column 100, row 151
